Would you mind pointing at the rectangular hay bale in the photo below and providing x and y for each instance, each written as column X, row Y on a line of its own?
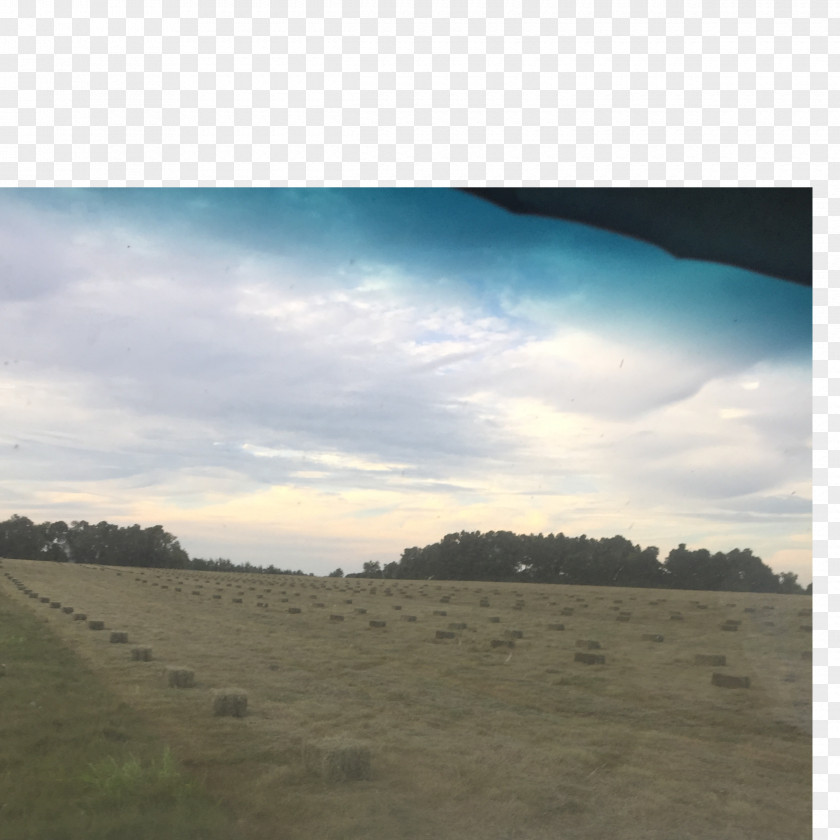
column 141, row 654
column 726, row 681
column 590, row 658
column 178, row 677
column 709, row 659
column 337, row 760
column 229, row 702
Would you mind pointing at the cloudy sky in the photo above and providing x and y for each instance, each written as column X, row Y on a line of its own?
column 316, row 378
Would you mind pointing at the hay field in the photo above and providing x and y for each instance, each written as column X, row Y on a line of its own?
column 467, row 739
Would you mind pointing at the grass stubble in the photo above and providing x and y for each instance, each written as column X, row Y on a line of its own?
column 466, row 741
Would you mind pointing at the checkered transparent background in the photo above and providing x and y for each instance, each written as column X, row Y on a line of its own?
column 517, row 93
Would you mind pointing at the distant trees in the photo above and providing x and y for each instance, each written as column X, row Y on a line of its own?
column 81, row 542
column 467, row 555
column 736, row 571
column 612, row 561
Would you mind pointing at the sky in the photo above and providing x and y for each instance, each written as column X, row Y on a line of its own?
column 316, row 378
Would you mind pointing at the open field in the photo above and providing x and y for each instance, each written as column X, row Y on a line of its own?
column 466, row 739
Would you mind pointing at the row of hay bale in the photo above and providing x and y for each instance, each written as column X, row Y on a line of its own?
column 587, row 658
column 230, row 702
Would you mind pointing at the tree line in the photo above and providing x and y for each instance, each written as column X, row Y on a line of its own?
column 493, row 556
column 109, row 545
column 609, row 561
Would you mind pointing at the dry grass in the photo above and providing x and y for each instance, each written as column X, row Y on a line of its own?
column 466, row 742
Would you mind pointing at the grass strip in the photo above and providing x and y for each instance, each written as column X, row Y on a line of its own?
column 78, row 763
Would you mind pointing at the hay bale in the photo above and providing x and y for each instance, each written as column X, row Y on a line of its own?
column 237, row 600
column 624, row 618
column 726, row 681
column 808, row 628
column 513, row 634
column 652, row 637
column 506, row 643
column 80, row 617
column 118, row 637
column 588, row 644
column 409, row 618
column 495, row 619
column 96, row 625
column 67, row 610
column 567, row 611
column 141, row 654
column 294, row 610
column 55, row 605
column 709, row 659
column 590, row 658
column 444, row 634
column 336, row 618
column 556, row 626
column 178, row 677
column 439, row 612
column 484, row 602
column 337, row 760
column 44, row 599
column 729, row 627
column 376, row 623
column 677, row 617
column 457, row 625
column 229, row 702
column 360, row 611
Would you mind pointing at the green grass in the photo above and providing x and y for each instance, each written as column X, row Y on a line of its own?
column 77, row 763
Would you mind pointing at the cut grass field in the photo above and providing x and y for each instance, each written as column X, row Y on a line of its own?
column 466, row 739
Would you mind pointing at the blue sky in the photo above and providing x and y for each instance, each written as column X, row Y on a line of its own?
column 315, row 378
